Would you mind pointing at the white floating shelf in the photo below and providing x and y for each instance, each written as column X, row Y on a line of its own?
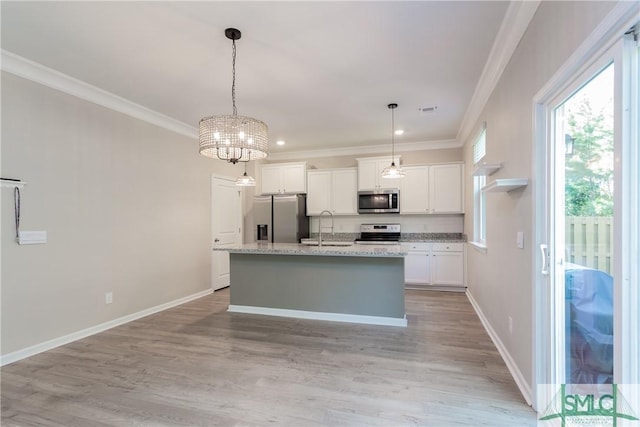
column 486, row 169
column 11, row 183
column 505, row 184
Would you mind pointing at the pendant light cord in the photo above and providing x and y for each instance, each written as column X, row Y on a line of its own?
column 393, row 127
column 233, row 84
column 16, row 211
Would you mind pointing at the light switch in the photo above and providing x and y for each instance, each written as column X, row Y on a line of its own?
column 32, row 237
column 520, row 239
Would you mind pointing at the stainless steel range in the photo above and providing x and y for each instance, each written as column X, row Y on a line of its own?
column 379, row 234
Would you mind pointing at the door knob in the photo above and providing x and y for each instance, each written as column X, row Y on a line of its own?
column 216, row 240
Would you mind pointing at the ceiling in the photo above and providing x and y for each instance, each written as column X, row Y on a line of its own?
column 320, row 74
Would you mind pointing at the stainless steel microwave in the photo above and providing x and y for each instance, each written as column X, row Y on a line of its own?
column 379, row 201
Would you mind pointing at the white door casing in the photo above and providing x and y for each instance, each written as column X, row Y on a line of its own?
column 226, row 226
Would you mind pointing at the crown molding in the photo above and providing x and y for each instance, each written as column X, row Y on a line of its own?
column 514, row 24
column 38, row 73
column 370, row 149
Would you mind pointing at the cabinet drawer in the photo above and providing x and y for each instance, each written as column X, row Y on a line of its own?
column 421, row 247
column 448, row 247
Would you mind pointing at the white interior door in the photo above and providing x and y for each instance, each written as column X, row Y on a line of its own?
column 226, row 226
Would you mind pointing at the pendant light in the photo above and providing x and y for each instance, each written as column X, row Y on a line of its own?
column 245, row 180
column 232, row 137
column 392, row 171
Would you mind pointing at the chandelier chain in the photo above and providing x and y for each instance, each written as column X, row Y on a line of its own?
column 233, row 73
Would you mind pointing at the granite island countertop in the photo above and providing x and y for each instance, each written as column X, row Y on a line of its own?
column 389, row 251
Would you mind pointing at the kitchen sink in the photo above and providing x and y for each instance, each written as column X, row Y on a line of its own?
column 314, row 242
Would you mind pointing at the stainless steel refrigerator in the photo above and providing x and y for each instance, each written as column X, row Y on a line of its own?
column 281, row 218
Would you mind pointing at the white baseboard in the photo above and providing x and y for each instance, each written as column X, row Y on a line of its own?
column 66, row 339
column 439, row 288
column 520, row 379
column 316, row 315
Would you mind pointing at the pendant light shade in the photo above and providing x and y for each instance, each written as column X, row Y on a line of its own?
column 245, row 180
column 232, row 137
column 392, row 171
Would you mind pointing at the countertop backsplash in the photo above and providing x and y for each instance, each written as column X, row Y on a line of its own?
column 340, row 237
column 404, row 237
column 433, row 237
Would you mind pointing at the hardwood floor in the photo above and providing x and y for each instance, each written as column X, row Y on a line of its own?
column 197, row 365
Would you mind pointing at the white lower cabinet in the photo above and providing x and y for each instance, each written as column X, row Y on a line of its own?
column 434, row 266
column 447, row 264
column 416, row 264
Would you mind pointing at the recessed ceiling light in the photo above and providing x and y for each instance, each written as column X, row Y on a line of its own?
column 280, row 142
column 399, row 132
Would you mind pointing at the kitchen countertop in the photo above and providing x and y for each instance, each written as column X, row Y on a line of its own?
column 393, row 251
column 417, row 240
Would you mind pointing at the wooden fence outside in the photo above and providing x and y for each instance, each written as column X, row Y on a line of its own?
column 589, row 241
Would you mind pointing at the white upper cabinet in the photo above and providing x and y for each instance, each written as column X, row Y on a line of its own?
column 334, row 190
column 414, row 194
column 270, row 179
column 318, row 191
column 432, row 189
column 283, row 178
column 445, row 188
column 370, row 170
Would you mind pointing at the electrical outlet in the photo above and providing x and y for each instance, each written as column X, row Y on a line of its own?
column 510, row 325
column 108, row 297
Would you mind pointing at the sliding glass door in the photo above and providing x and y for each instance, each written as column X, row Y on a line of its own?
column 587, row 222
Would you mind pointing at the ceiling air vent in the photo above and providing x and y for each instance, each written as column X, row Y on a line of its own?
column 428, row 110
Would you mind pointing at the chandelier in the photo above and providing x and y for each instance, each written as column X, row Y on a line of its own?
column 232, row 137
column 392, row 171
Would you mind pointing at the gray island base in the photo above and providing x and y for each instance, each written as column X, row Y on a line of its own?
column 346, row 284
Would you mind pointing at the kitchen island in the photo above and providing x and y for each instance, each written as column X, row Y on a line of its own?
column 359, row 283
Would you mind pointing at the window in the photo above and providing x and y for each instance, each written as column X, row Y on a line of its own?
column 479, row 202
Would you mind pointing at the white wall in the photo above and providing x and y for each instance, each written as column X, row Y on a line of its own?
column 500, row 280
column 126, row 206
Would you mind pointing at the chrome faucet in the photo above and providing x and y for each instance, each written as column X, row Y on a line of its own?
column 320, row 225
